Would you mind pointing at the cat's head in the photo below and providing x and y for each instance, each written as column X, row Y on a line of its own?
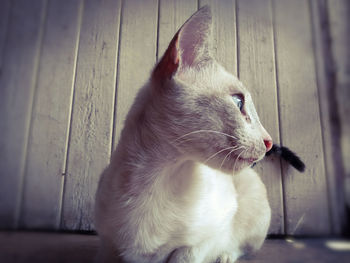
column 206, row 112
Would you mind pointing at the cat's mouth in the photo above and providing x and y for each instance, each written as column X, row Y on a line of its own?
column 248, row 160
column 238, row 162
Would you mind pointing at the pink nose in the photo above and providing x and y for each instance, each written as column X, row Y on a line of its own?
column 268, row 144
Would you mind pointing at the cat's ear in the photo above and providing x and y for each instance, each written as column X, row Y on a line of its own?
column 189, row 48
column 194, row 39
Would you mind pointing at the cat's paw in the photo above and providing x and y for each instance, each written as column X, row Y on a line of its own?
column 181, row 255
column 226, row 258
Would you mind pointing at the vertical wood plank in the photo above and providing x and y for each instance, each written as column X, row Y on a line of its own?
column 257, row 71
column 172, row 14
column 5, row 12
column 324, row 69
column 92, row 113
column 339, row 107
column 50, row 119
column 17, row 84
column 224, row 32
column 306, row 201
column 137, row 54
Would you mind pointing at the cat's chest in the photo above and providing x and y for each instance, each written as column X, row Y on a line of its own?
column 190, row 204
column 206, row 202
column 215, row 202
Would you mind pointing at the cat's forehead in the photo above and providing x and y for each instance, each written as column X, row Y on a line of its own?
column 228, row 81
column 213, row 77
column 236, row 86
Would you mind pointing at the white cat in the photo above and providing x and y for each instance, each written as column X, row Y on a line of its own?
column 179, row 187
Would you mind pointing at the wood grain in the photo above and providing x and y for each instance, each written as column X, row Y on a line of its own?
column 92, row 113
column 17, row 82
column 257, row 72
column 137, row 54
column 5, row 12
column 306, row 200
column 224, row 32
column 50, row 119
column 338, row 171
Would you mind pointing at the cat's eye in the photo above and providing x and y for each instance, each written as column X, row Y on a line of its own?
column 238, row 100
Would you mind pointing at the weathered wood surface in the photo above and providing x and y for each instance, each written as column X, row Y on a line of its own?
column 43, row 178
column 137, row 54
column 70, row 71
column 305, row 195
column 327, row 80
column 17, row 85
column 340, row 34
column 339, row 42
column 90, row 138
column 62, row 248
column 5, row 11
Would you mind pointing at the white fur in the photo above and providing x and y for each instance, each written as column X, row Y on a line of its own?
column 191, row 205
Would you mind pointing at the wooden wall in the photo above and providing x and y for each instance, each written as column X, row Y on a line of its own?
column 70, row 71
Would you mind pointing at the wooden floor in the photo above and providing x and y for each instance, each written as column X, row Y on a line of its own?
column 61, row 248
column 69, row 71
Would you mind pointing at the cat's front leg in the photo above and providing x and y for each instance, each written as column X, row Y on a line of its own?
column 188, row 255
column 253, row 215
column 182, row 255
column 198, row 255
column 226, row 258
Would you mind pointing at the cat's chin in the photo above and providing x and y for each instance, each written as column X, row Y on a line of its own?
column 243, row 162
column 250, row 160
column 235, row 164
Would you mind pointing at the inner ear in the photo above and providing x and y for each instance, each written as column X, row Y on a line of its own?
column 170, row 61
column 194, row 39
column 189, row 48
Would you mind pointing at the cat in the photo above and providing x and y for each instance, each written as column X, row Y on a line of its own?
column 179, row 187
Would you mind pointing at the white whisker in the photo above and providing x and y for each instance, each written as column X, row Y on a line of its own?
column 209, row 131
column 228, row 148
column 223, row 161
column 235, row 149
column 234, row 165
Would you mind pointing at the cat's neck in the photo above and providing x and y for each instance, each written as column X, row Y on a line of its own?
column 146, row 170
column 142, row 155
